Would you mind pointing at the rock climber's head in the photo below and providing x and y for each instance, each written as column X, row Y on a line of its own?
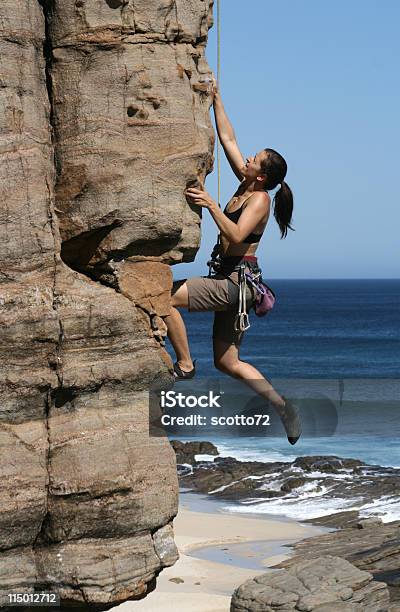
column 268, row 169
column 253, row 170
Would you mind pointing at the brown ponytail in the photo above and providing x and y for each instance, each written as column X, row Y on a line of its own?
column 274, row 167
column 283, row 208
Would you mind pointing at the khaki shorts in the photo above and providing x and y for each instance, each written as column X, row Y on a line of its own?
column 220, row 295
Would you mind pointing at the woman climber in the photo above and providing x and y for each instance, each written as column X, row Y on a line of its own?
column 241, row 226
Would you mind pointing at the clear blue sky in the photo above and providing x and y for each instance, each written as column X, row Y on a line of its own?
column 319, row 82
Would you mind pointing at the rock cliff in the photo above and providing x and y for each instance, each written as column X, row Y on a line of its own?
column 104, row 120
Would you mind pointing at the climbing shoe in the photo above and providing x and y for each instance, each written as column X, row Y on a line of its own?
column 181, row 375
column 290, row 417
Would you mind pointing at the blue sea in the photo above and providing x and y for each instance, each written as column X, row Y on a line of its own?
column 344, row 332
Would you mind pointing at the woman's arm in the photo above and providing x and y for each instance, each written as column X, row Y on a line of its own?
column 226, row 135
column 253, row 213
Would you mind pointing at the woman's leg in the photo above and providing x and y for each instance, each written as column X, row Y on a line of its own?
column 226, row 359
column 176, row 326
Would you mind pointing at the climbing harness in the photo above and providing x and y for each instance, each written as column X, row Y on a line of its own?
column 248, row 273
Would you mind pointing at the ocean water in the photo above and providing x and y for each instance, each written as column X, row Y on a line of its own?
column 346, row 331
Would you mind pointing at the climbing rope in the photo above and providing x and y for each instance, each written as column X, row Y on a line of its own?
column 214, row 254
column 241, row 322
column 218, row 81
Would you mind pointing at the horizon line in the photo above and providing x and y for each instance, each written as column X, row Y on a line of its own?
column 335, row 278
column 352, row 278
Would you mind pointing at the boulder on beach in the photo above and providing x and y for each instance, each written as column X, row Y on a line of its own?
column 372, row 521
column 324, row 584
column 186, row 451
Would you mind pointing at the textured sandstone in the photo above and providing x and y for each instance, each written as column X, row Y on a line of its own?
column 99, row 136
column 324, row 584
column 132, row 126
column 376, row 549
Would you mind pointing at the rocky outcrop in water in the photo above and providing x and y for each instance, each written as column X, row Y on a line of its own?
column 323, row 584
column 325, row 478
column 186, row 452
column 104, row 120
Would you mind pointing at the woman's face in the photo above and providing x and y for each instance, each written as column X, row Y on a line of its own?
column 252, row 167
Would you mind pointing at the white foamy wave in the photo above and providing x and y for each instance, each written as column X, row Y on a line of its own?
column 386, row 508
column 303, row 492
column 254, row 454
column 319, row 477
column 312, row 506
column 233, row 483
column 308, row 489
column 204, row 457
column 308, row 502
column 336, row 475
column 275, row 485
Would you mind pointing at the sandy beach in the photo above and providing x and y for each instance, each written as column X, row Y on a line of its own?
column 204, row 585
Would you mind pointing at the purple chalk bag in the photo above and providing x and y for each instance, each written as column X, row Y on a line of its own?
column 265, row 298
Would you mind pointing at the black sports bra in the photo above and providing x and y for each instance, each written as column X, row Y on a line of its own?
column 234, row 216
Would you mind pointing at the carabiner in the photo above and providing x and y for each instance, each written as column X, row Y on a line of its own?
column 241, row 322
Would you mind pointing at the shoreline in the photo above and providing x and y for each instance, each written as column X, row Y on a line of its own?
column 196, row 584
